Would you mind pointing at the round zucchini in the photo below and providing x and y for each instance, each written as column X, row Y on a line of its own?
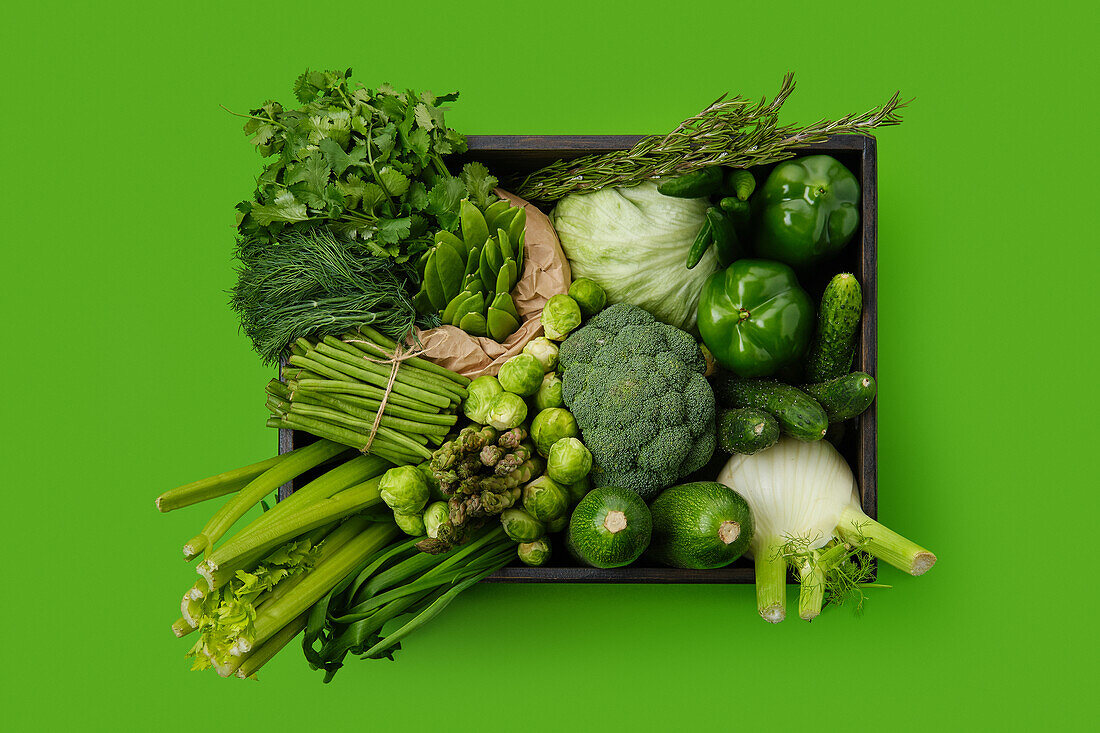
column 609, row 528
column 700, row 526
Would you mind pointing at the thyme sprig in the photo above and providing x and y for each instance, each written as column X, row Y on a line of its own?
column 735, row 132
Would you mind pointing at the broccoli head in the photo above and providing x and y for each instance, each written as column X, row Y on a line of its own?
column 637, row 389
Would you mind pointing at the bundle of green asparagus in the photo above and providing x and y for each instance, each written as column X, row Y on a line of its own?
column 364, row 390
column 480, row 472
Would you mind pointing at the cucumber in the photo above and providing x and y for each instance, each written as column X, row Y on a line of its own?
column 799, row 415
column 844, row 397
column 746, row 430
column 609, row 528
column 833, row 344
column 700, row 525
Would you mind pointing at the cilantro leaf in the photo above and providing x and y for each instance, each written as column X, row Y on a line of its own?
column 392, row 231
column 479, row 183
column 284, row 208
column 338, row 160
column 314, row 172
column 424, row 117
column 418, row 195
column 372, row 196
column 394, row 182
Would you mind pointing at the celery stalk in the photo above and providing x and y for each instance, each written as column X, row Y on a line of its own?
column 284, row 528
column 251, row 663
column 294, row 465
column 214, row 486
column 274, row 616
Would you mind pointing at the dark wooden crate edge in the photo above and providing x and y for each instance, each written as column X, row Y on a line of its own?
column 552, row 146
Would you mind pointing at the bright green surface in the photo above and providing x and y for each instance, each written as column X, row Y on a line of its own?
column 126, row 374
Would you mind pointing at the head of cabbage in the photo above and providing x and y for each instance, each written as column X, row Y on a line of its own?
column 634, row 242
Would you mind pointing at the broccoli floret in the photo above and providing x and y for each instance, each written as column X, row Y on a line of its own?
column 637, row 389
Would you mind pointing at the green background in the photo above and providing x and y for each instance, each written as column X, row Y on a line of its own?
column 125, row 374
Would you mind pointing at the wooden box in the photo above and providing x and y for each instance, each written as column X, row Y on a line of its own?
column 520, row 154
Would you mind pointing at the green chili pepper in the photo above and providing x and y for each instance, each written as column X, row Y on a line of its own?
column 739, row 211
column 696, row 184
column 699, row 247
column 739, row 183
column 726, row 242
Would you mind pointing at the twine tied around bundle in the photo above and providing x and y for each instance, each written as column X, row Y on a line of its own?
column 400, row 354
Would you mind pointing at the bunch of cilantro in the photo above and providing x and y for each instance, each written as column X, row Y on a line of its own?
column 355, row 190
column 367, row 163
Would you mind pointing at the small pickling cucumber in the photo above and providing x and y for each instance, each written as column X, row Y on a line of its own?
column 746, row 430
column 799, row 415
column 844, row 397
column 833, row 344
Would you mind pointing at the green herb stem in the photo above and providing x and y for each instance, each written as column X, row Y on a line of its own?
column 812, row 593
column 362, row 406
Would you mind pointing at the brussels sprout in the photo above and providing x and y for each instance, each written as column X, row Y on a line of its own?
column 411, row 524
column 560, row 315
column 550, row 426
column 569, row 461
column 534, row 553
column 522, row 375
column 521, row 526
column 479, row 393
column 404, row 489
column 544, row 499
column 589, row 296
column 435, row 492
column 557, row 525
column 507, row 411
column 579, row 489
column 435, row 515
column 545, row 350
column 549, row 394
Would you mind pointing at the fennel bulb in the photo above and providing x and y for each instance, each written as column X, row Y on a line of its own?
column 633, row 242
column 804, row 495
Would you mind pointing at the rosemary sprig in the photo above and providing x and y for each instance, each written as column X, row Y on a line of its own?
column 735, row 132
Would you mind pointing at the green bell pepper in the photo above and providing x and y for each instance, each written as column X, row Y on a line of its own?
column 809, row 209
column 755, row 317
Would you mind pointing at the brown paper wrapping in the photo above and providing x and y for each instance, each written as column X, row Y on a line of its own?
column 545, row 273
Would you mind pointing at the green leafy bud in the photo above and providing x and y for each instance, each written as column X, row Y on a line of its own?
column 404, row 489
column 544, row 499
column 569, row 461
column 522, row 375
column 545, row 350
column 534, row 553
column 479, row 393
column 521, row 526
